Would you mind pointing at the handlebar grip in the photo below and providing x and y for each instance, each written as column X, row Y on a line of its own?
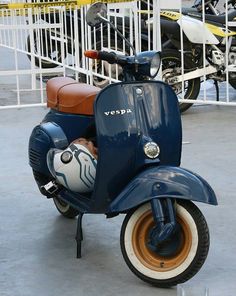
column 110, row 57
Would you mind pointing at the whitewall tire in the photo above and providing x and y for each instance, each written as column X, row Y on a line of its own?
column 178, row 266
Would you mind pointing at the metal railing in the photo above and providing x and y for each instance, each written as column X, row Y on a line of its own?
column 50, row 39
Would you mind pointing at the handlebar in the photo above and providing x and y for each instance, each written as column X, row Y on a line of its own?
column 110, row 57
column 134, row 68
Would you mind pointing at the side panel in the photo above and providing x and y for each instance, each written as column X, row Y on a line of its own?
column 73, row 125
column 161, row 182
column 196, row 31
column 57, row 130
column 43, row 137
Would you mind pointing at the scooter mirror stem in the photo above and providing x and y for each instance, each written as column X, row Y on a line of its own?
column 118, row 32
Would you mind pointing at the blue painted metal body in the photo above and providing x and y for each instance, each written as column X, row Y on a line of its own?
column 57, row 130
column 151, row 113
column 44, row 137
column 164, row 182
column 127, row 115
column 73, row 125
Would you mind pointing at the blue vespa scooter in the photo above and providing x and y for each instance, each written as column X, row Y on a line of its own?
column 164, row 237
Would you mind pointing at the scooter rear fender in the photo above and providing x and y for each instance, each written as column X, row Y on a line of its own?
column 163, row 182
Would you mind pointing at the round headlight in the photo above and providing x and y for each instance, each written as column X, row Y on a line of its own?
column 155, row 65
column 66, row 156
column 151, row 149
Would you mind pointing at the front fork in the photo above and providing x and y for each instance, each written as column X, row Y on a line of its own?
column 165, row 221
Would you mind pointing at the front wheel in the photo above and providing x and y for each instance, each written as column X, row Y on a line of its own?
column 171, row 67
column 177, row 259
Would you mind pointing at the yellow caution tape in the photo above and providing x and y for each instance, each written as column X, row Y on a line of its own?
column 25, row 12
column 21, row 9
column 66, row 3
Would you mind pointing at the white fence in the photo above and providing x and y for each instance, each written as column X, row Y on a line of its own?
column 44, row 41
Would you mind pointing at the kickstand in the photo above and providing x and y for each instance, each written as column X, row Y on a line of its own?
column 79, row 234
column 217, row 90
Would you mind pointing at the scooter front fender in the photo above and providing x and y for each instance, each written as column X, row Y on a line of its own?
column 163, row 182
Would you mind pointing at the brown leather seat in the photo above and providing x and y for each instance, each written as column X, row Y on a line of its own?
column 66, row 95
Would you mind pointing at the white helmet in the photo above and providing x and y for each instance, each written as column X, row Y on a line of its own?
column 74, row 167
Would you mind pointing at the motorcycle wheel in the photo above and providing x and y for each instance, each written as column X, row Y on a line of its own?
column 65, row 209
column 50, row 49
column 171, row 66
column 178, row 258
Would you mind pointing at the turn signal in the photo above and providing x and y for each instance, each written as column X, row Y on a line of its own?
column 92, row 54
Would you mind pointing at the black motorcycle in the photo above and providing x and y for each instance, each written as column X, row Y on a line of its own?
column 215, row 53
